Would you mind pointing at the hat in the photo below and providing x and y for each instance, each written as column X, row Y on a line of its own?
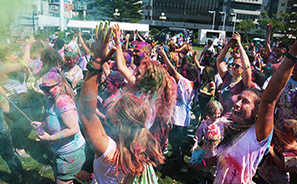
column 71, row 54
column 51, row 78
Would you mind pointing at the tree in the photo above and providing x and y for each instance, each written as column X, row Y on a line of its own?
column 246, row 26
column 130, row 10
column 154, row 32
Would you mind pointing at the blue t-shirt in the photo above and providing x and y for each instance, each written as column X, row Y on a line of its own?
column 55, row 124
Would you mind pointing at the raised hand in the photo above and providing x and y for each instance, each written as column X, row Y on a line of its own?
column 231, row 43
column 30, row 41
column 117, row 34
column 101, row 52
column 236, row 36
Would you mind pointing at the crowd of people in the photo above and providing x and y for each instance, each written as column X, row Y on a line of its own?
column 109, row 110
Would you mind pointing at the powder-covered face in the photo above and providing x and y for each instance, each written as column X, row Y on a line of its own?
column 110, row 86
column 138, row 55
column 244, row 107
column 53, row 92
column 70, row 61
column 237, row 67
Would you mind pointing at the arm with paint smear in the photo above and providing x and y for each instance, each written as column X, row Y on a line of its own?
column 264, row 123
column 170, row 67
column 246, row 66
column 92, row 125
column 120, row 60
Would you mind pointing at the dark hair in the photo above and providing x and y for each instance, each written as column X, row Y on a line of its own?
column 192, row 74
column 59, row 43
column 233, row 130
column 259, row 77
column 209, row 42
column 284, row 45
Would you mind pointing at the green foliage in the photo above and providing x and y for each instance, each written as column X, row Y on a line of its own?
column 246, row 26
column 154, row 32
column 130, row 10
column 61, row 34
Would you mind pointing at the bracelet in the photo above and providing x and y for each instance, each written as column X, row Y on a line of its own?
column 116, row 45
column 241, row 47
column 27, row 46
column 290, row 56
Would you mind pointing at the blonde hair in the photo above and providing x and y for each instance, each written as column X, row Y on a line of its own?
column 135, row 144
column 161, row 88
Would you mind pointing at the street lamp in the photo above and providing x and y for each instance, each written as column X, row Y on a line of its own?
column 224, row 20
column 213, row 18
column 162, row 17
column 234, row 14
column 116, row 13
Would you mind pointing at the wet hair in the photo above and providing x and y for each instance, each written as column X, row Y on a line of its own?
column 234, row 129
column 135, row 144
column 212, row 106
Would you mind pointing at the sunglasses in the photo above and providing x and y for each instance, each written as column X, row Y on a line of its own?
column 47, row 88
column 236, row 65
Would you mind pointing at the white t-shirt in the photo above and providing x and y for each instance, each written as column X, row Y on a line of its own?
column 104, row 171
column 185, row 95
column 238, row 161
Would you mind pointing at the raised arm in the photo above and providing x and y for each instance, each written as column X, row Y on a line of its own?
column 221, row 65
column 170, row 67
column 92, row 125
column 264, row 123
column 246, row 66
column 83, row 44
column 120, row 60
column 267, row 41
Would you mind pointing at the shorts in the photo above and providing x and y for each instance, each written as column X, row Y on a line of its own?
column 68, row 164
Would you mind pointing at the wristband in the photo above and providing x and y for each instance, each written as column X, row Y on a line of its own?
column 116, row 45
column 241, row 47
column 27, row 46
column 290, row 56
column 92, row 69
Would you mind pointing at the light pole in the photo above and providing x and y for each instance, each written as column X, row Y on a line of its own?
column 224, row 21
column 213, row 18
column 162, row 17
column 234, row 14
column 116, row 13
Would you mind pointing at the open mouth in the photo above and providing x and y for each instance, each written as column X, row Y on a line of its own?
column 236, row 112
